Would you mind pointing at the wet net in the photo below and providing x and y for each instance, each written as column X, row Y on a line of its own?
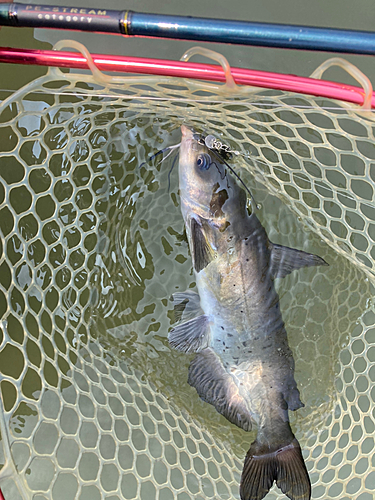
column 95, row 405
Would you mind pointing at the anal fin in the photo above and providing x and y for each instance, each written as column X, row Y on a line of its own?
column 216, row 386
column 284, row 260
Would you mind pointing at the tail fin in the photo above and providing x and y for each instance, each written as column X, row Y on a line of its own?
column 285, row 466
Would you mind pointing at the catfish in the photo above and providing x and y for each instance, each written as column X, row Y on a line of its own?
column 243, row 364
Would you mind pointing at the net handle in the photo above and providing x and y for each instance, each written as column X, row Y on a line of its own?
column 353, row 71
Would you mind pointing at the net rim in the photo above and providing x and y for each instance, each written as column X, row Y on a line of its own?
column 182, row 69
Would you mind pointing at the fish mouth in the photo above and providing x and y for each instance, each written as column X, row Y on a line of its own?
column 192, row 133
column 189, row 138
column 186, row 131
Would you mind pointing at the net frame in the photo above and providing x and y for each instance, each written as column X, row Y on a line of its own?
column 241, row 76
column 270, row 177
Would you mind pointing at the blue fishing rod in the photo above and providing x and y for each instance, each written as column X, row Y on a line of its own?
column 131, row 23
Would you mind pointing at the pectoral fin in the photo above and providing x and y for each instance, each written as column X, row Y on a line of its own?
column 284, row 260
column 202, row 251
column 215, row 386
column 190, row 336
column 186, row 305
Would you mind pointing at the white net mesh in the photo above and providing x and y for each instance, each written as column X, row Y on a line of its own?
column 95, row 404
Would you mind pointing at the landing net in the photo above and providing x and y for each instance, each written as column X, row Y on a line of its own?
column 95, row 403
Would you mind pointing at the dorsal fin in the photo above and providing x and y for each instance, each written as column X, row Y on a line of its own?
column 284, row 260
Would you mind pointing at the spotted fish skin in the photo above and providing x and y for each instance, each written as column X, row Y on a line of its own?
column 243, row 364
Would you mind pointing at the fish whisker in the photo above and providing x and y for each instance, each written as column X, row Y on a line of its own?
column 161, row 151
column 170, row 171
column 172, row 148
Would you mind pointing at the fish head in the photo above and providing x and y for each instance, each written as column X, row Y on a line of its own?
column 206, row 187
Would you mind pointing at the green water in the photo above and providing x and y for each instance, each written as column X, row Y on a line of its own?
column 142, row 255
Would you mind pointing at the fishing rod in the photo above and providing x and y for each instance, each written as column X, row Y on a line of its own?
column 130, row 23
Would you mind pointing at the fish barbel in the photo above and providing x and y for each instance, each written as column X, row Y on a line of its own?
column 243, row 366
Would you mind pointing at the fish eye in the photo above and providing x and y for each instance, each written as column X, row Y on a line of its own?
column 203, row 161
